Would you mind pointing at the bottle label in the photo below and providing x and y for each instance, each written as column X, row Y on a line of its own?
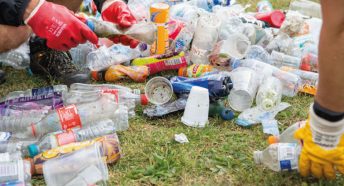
column 111, row 91
column 65, row 138
column 286, row 156
column 42, row 91
column 69, row 117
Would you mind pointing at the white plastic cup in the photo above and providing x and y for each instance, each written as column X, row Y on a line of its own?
column 197, row 108
column 205, row 38
column 159, row 90
column 245, row 85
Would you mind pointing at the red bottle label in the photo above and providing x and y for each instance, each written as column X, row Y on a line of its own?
column 113, row 92
column 65, row 138
column 69, row 117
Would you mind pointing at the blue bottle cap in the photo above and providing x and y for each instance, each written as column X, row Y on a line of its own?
column 33, row 150
column 90, row 24
column 227, row 114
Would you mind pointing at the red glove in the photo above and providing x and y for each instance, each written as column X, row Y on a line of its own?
column 119, row 13
column 59, row 26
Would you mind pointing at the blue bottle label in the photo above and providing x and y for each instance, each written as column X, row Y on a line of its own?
column 42, row 91
column 285, row 165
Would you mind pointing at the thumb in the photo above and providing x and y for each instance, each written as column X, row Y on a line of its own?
column 299, row 134
column 89, row 35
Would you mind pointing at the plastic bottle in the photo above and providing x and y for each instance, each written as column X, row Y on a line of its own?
column 279, row 156
column 140, row 9
column 308, row 8
column 103, row 58
column 90, row 87
column 291, row 82
column 194, row 71
column 269, row 94
column 287, row 136
column 13, row 146
column 76, row 116
column 160, row 16
column 218, row 109
column 274, row 18
column 205, row 38
column 309, row 80
column 117, row 72
column 80, row 53
column 18, row 58
column 161, row 63
column 37, row 91
column 208, row 5
column 53, row 140
column 280, row 59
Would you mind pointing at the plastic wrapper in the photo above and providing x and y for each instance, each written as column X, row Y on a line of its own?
column 168, row 108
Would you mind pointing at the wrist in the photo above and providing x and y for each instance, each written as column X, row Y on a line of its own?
column 31, row 9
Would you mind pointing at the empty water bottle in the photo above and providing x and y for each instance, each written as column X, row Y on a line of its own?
column 17, row 172
column 75, row 116
column 80, row 53
column 13, row 146
column 279, row 156
column 18, row 58
column 279, row 59
column 90, row 87
column 97, row 129
column 287, row 136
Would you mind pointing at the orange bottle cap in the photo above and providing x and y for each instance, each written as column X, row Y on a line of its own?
column 273, row 139
column 181, row 71
column 144, row 99
column 94, row 75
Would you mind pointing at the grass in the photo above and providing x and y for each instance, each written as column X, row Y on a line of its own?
column 219, row 154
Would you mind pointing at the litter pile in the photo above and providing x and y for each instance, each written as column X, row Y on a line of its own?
column 224, row 59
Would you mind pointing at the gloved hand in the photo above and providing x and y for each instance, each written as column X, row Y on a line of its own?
column 59, row 26
column 323, row 147
column 117, row 11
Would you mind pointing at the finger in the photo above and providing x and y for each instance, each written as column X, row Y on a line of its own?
column 304, row 165
column 316, row 170
column 299, row 134
column 134, row 43
column 73, row 42
column 329, row 171
column 124, row 23
column 88, row 34
column 115, row 39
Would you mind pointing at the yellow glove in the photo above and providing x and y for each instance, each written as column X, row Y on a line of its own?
column 316, row 157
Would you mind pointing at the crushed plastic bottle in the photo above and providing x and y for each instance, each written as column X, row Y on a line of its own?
column 18, row 58
column 13, row 146
column 17, row 172
column 287, row 136
column 258, row 53
column 80, row 53
column 53, row 140
column 280, row 59
column 279, row 156
column 79, row 116
column 103, row 58
column 168, row 108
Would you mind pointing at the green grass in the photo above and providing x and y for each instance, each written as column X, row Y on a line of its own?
column 219, row 154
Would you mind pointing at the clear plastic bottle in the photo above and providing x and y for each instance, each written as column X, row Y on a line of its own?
column 205, row 38
column 76, row 116
column 126, row 96
column 17, row 172
column 269, row 94
column 291, row 82
column 287, row 136
column 17, row 59
column 13, row 146
column 306, row 7
column 103, row 57
column 80, row 53
column 37, row 91
column 97, row 129
column 279, row 156
column 279, row 59
column 258, row 53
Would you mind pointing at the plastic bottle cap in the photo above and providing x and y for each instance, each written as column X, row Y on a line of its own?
column 94, row 75
column 144, row 99
column 227, row 114
column 277, row 18
column 33, row 150
column 273, row 139
column 257, row 156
